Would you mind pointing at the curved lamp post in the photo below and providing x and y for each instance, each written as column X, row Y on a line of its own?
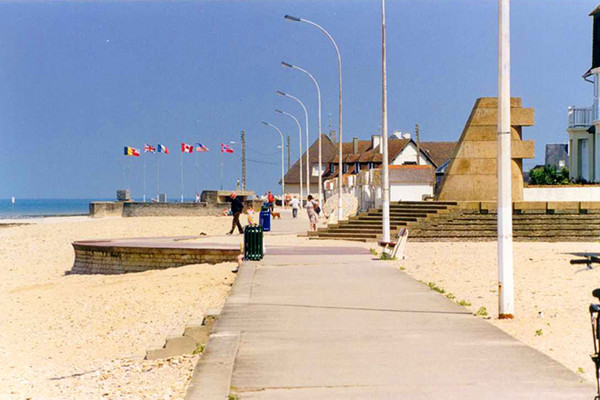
column 279, row 92
column 320, row 180
column 300, row 142
column 337, row 50
column 282, row 174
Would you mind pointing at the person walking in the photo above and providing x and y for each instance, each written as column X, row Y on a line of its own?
column 295, row 203
column 236, row 209
column 312, row 215
column 271, row 200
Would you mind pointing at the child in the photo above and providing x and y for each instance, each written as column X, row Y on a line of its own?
column 250, row 212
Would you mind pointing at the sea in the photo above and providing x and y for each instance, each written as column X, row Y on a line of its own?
column 28, row 208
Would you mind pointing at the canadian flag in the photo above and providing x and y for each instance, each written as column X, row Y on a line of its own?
column 187, row 148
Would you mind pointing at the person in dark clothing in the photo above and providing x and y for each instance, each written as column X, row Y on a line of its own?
column 236, row 209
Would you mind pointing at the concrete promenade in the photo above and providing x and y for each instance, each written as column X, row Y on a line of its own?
column 307, row 323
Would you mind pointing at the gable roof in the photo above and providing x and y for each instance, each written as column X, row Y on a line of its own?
column 438, row 152
column 328, row 152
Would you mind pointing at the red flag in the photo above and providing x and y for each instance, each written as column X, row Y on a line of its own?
column 187, row 148
column 225, row 148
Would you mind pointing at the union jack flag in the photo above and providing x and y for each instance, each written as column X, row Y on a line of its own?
column 225, row 148
column 149, row 149
column 200, row 148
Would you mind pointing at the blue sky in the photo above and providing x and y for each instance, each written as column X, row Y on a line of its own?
column 80, row 80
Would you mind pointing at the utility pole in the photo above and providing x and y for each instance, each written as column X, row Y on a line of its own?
column 418, row 144
column 288, row 153
column 243, row 134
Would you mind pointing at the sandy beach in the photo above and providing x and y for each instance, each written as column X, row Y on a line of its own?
column 551, row 296
column 73, row 337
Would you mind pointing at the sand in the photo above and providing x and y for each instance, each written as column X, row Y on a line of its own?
column 551, row 297
column 74, row 336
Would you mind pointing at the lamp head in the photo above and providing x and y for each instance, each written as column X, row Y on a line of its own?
column 279, row 111
column 284, row 64
column 265, row 123
column 279, row 92
column 292, row 18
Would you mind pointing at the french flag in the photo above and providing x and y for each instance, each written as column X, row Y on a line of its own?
column 187, row 148
column 163, row 149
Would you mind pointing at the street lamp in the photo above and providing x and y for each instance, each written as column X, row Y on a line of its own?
column 337, row 50
column 300, row 142
column 385, row 209
column 284, row 64
column 282, row 174
column 279, row 92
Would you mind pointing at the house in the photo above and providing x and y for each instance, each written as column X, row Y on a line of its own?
column 583, row 123
column 365, row 155
column 557, row 154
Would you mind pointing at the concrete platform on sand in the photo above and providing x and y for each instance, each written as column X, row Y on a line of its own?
column 118, row 256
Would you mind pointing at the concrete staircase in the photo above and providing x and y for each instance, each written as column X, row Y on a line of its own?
column 448, row 221
column 366, row 226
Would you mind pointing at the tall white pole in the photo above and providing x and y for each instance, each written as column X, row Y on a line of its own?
column 144, row 179
column 157, row 187
column 384, row 133
column 505, row 243
column 300, row 145
column 181, row 176
column 340, row 155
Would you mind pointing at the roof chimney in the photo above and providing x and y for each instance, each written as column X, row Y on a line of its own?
column 376, row 142
column 332, row 136
column 355, row 145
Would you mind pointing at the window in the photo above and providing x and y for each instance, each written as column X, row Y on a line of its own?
column 344, row 168
column 332, row 167
column 315, row 169
column 371, row 165
column 356, row 168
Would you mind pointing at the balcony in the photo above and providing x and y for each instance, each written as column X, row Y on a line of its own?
column 580, row 117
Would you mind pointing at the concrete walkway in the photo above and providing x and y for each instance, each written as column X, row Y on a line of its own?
column 309, row 324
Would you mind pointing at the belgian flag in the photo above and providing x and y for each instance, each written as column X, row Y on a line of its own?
column 131, row 152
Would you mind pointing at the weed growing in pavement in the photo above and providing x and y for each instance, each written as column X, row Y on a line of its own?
column 199, row 349
column 580, row 370
column 539, row 332
column 464, row 303
column 374, row 252
column 451, row 296
column 386, row 256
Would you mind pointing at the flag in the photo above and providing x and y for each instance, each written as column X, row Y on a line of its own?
column 130, row 151
column 225, row 148
column 187, row 148
column 163, row 149
column 149, row 149
column 201, row 148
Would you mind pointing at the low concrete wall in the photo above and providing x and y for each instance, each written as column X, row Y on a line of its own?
column 562, row 193
column 106, row 208
column 533, row 207
column 171, row 209
column 95, row 259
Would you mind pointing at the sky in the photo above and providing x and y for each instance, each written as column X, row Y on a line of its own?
column 80, row 80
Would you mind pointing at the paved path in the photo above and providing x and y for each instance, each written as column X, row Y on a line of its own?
column 320, row 326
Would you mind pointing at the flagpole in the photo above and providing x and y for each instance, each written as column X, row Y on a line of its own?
column 157, row 159
column 181, row 176
column 221, row 169
column 144, row 179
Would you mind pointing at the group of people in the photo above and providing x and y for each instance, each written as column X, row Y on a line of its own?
column 313, row 209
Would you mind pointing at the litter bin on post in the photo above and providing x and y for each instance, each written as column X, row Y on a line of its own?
column 264, row 219
column 253, row 242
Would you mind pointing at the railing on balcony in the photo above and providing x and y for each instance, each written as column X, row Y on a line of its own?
column 580, row 117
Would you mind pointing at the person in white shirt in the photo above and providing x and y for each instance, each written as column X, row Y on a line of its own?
column 295, row 203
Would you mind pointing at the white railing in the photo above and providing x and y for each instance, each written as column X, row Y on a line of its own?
column 580, row 117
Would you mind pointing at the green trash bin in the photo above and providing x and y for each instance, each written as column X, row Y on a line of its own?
column 253, row 242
